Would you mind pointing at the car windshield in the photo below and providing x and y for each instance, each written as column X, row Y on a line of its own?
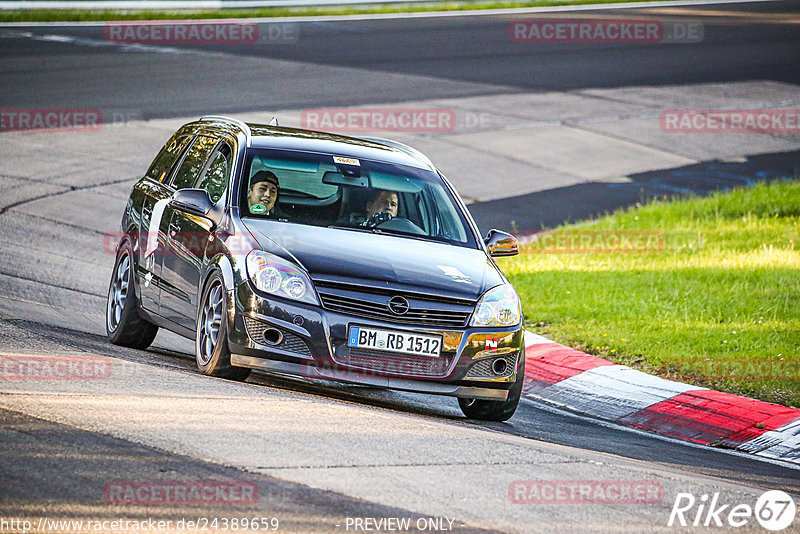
column 357, row 195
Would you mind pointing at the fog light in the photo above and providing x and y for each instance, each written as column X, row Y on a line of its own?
column 499, row 366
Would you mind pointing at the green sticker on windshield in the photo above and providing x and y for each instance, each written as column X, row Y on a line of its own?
column 258, row 208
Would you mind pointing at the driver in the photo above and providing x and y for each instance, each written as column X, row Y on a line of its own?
column 381, row 207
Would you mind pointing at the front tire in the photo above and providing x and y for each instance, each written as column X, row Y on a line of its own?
column 123, row 325
column 211, row 334
column 487, row 410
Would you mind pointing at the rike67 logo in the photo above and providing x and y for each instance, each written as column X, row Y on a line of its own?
column 774, row 510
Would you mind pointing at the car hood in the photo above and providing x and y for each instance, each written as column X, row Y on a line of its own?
column 380, row 260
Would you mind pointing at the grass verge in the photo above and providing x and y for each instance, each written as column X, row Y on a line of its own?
column 68, row 15
column 718, row 306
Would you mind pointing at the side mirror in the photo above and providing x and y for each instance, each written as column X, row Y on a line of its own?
column 501, row 244
column 194, row 201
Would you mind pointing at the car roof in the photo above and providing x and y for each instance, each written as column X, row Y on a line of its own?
column 368, row 148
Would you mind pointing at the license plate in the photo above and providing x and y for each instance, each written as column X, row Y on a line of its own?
column 394, row 341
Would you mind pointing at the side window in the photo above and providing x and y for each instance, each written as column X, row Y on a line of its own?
column 165, row 159
column 215, row 179
column 193, row 163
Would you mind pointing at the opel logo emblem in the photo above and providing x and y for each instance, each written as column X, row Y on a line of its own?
column 398, row 305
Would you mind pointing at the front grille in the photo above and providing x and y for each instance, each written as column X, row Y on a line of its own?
column 373, row 303
column 290, row 343
column 483, row 368
column 398, row 363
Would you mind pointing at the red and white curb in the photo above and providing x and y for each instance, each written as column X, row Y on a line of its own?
column 591, row 385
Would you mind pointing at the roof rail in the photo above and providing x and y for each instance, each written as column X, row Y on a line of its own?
column 413, row 152
column 241, row 124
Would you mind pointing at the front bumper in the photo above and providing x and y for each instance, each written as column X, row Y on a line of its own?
column 297, row 339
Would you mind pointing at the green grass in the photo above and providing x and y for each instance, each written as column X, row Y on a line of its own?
column 67, row 15
column 721, row 298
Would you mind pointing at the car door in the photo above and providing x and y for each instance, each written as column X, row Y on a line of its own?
column 155, row 193
column 207, row 166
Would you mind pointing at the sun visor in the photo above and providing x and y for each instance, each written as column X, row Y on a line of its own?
column 290, row 164
column 336, row 178
column 393, row 182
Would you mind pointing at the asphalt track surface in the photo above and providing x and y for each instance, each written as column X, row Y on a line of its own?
column 392, row 61
column 436, row 58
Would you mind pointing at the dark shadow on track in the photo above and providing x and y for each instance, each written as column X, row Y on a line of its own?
column 534, row 419
column 546, row 209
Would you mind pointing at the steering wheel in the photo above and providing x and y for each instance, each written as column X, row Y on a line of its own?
column 378, row 219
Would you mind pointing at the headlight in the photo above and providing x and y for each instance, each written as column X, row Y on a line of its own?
column 498, row 307
column 278, row 277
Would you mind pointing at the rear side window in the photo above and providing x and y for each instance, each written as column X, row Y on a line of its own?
column 165, row 159
column 193, row 163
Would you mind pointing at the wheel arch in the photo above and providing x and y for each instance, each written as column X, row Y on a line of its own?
column 129, row 237
column 220, row 264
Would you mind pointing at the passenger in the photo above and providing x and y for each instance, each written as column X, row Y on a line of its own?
column 263, row 194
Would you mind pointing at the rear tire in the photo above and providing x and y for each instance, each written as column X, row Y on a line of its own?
column 487, row 410
column 123, row 325
column 212, row 354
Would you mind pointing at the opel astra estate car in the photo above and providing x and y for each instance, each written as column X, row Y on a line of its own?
column 318, row 256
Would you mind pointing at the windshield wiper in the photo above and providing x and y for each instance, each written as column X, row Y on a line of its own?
column 356, row 228
column 382, row 231
column 421, row 237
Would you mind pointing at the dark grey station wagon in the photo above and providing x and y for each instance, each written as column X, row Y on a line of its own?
column 320, row 256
